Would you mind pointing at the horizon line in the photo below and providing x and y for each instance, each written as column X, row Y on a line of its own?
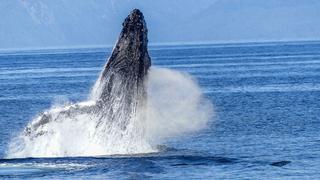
column 162, row 44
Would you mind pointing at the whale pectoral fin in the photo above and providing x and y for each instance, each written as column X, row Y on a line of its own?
column 35, row 127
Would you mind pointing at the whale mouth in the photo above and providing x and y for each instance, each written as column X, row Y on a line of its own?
column 131, row 108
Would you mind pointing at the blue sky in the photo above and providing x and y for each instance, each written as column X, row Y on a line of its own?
column 64, row 23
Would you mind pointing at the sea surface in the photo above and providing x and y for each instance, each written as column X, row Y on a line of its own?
column 266, row 99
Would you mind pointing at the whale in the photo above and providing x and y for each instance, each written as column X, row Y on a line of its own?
column 119, row 93
column 132, row 106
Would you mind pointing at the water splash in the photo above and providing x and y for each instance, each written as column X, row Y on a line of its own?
column 175, row 105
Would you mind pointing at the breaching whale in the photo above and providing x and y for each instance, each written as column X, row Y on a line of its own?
column 120, row 93
column 131, row 107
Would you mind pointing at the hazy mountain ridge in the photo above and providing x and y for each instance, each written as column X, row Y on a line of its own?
column 45, row 23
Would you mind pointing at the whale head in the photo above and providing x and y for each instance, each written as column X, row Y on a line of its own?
column 129, row 62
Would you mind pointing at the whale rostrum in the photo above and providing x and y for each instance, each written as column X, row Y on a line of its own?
column 119, row 94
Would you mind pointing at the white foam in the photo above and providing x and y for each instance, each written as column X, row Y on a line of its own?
column 175, row 105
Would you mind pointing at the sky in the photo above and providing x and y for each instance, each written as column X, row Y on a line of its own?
column 70, row 23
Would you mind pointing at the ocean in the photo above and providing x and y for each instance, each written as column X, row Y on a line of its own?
column 266, row 99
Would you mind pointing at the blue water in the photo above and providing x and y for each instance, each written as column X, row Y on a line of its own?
column 266, row 124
